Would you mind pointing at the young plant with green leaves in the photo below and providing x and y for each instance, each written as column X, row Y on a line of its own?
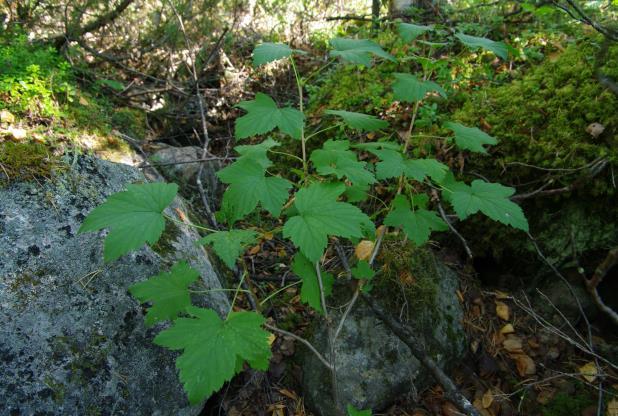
column 320, row 200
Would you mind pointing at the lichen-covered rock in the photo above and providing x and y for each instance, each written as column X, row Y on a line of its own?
column 72, row 340
column 174, row 166
column 374, row 367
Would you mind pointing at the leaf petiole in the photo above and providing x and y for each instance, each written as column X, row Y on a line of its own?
column 275, row 293
column 199, row 227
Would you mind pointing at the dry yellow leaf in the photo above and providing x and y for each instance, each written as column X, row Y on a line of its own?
column 507, row 329
column 7, row 117
column 364, row 249
column 268, row 236
column 271, row 339
column 525, row 365
column 487, row 399
column 380, row 230
column 612, row 408
column 502, row 310
column 512, row 344
column 255, row 250
column 501, row 295
column 589, row 371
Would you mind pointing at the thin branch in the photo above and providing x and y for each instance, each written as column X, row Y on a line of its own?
column 303, row 341
column 417, row 349
column 592, row 285
column 454, row 231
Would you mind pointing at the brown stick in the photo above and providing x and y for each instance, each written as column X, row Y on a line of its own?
column 417, row 349
column 599, row 274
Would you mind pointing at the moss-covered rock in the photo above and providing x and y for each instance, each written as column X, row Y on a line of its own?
column 374, row 366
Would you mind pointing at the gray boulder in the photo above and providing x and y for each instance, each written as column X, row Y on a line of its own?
column 72, row 340
column 374, row 368
column 174, row 166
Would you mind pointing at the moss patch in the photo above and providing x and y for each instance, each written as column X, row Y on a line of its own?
column 25, row 161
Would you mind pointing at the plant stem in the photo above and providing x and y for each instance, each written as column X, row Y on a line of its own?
column 304, row 341
column 299, row 84
column 275, row 293
column 217, row 290
column 323, row 130
column 286, row 154
column 188, row 224
column 238, row 289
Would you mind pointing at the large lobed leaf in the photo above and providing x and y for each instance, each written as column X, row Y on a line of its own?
column 213, row 347
column 310, row 289
column 336, row 158
column 417, row 223
column 474, row 42
column 470, row 138
column 269, row 52
column 392, row 165
column 168, row 293
column 263, row 115
column 492, row 199
column 410, row 31
column 320, row 215
column 250, row 185
column 229, row 245
column 359, row 121
column 358, row 51
column 134, row 217
column 408, row 88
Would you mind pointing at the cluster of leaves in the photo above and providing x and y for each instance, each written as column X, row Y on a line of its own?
column 33, row 79
column 324, row 201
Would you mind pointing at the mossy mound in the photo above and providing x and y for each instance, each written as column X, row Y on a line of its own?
column 25, row 161
column 541, row 120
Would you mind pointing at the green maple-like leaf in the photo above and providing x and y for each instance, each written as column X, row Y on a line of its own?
column 250, row 185
column 408, row 88
column 321, row 215
column 258, row 152
column 409, row 31
column 310, row 289
column 263, row 115
column 168, row 293
column 392, row 165
column 363, row 271
column 492, row 199
column 134, row 217
column 229, row 244
column 470, row 138
column 473, row 42
column 336, row 158
column 353, row 411
column 358, row 51
column 269, row 52
column 417, row 224
column 212, row 348
column 359, row 121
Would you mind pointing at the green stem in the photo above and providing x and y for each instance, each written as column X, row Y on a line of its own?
column 299, row 84
column 236, row 291
column 323, row 130
column 286, row 154
column 316, row 72
column 188, row 224
column 275, row 293
column 218, row 290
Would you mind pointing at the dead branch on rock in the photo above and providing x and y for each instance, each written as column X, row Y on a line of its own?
column 593, row 283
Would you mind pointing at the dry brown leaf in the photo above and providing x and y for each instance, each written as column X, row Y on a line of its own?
column 513, row 344
column 487, row 399
column 545, row 396
column 364, row 249
column 478, row 404
column 589, row 371
column 6, row 117
column 612, row 408
column 502, row 310
column 507, row 329
column 181, row 214
column 525, row 364
column 449, row 409
column 380, row 230
column 289, row 394
column 255, row 249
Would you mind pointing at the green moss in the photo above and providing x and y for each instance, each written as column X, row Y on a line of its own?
column 170, row 234
column 541, row 119
column 26, row 161
column 58, row 389
column 408, row 277
column 130, row 121
column 564, row 404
